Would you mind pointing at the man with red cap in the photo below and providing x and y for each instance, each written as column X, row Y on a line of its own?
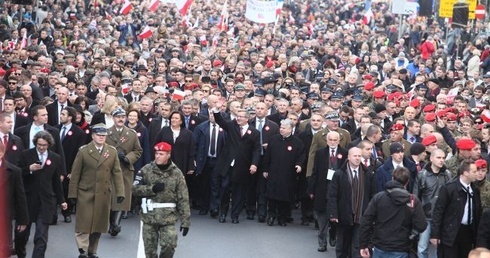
column 396, row 135
column 162, row 186
column 430, row 143
column 464, row 147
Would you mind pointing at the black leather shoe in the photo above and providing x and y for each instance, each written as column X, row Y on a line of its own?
column 203, row 212
column 322, row 249
column 270, row 221
column 250, row 217
column 115, row 231
column 332, row 240
column 91, row 255
column 304, row 222
column 235, row 221
column 68, row 219
column 214, row 213
column 83, row 254
column 289, row 220
column 222, row 219
column 282, row 223
column 261, row 219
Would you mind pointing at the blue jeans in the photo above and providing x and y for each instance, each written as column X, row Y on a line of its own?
column 378, row 253
column 424, row 244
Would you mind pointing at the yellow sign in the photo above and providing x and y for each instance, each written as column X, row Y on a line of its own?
column 446, row 8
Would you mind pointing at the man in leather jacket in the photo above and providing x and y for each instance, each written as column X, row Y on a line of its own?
column 426, row 188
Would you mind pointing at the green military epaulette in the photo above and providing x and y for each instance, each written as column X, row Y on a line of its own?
column 110, row 146
column 83, row 146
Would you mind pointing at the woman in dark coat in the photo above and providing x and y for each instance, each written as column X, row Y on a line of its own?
column 143, row 136
column 183, row 150
column 283, row 159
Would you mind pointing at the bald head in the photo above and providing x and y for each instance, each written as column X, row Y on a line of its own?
column 354, row 157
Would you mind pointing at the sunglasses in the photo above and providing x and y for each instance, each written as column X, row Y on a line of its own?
column 188, row 80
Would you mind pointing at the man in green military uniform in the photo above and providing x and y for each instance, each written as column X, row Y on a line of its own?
column 464, row 146
column 396, row 135
column 95, row 167
column 162, row 186
column 129, row 150
column 320, row 139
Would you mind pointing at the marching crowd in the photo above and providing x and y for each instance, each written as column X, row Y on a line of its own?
column 376, row 125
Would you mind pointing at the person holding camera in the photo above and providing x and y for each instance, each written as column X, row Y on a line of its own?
column 395, row 216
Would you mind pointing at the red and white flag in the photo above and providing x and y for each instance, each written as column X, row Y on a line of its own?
column 183, row 6
column 146, row 33
column 367, row 17
column 223, row 22
column 108, row 16
column 178, row 95
column 154, row 5
column 126, row 8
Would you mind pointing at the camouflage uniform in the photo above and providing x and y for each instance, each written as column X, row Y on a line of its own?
column 453, row 163
column 161, row 221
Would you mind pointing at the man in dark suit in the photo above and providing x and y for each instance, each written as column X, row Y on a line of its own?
column 54, row 109
column 164, row 109
column 209, row 140
column 13, row 187
column 256, row 200
column 41, row 169
column 282, row 111
column 72, row 138
column 370, row 164
column 239, row 159
column 412, row 134
column 146, row 112
column 190, row 120
column 14, row 146
column 306, row 136
column 17, row 119
column 327, row 160
column 456, row 214
column 135, row 94
column 350, row 191
column 40, row 118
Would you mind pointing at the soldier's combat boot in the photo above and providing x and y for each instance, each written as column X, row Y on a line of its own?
column 116, row 225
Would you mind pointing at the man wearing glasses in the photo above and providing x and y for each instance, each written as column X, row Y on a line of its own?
column 42, row 169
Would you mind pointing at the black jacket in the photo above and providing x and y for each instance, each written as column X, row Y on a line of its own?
column 339, row 202
column 427, row 186
column 449, row 211
column 391, row 215
column 483, row 239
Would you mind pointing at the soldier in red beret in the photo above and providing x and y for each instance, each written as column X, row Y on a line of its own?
column 396, row 135
column 463, row 152
column 162, row 186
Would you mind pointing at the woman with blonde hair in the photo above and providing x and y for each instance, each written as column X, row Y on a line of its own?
column 104, row 115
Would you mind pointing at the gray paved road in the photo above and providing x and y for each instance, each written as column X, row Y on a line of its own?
column 206, row 238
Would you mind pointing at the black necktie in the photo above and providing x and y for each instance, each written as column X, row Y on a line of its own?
column 212, row 150
column 469, row 204
column 355, row 185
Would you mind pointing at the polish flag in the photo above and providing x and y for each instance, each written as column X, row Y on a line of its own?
column 367, row 17
column 485, row 116
column 183, row 6
column 154, row 5
column 126, row 8
column 178, row 95
column 223, row 21
column 108, row 16
column 146, row 33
